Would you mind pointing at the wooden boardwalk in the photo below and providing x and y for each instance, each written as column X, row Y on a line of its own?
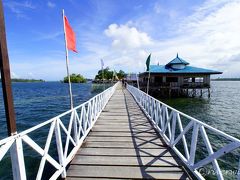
column 124, row 145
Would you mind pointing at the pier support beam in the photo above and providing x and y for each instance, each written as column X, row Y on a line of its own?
column 5, row 77
column 209, row 93
column 17, row 158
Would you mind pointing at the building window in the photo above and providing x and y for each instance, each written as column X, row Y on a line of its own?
column 187, row 80
column 193, row 79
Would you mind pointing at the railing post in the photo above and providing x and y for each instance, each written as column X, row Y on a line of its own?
column 173, row 127
column 60, row 148
column 75, row 131
column 17, row 159
column 85, row 117
column 193, row 144
column 210, row 152
column 183, row 137
column 238, row 172
column 159, row 111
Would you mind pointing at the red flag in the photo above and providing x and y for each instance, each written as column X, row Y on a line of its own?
column 70, row 36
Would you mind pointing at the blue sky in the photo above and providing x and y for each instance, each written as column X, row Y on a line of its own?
column 122, row 33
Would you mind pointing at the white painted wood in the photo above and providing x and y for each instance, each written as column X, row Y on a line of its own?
column 153, row 108
column 190, row 118
column 61, row 157
column 210, row 151
column 68, row 134
column 183, row 136
column 238, row 172
column 75, row 130
column 17, row 159
column 190, row 124
column 4, row 148
column 193, row 143
column 14, row 143
column 39, row 150
column 162, row 127
column 173, row 128
column 47, row 145
column 224, row 150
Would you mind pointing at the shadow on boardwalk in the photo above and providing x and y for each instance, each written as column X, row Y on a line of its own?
column 124, row 145
column 139, row 125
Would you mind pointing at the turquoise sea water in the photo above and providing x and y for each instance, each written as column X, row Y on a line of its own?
column 38, row 102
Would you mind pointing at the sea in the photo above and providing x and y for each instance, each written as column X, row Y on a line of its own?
column 37, row 102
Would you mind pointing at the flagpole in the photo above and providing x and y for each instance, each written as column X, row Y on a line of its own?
column 67, row 63
column 102, row 74
column 148, row 81
column 138, row 81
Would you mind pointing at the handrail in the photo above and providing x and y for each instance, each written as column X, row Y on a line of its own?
column 166, row 118
column 82, row 119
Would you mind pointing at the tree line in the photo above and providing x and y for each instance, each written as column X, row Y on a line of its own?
column 107, row 74
column 103, row 74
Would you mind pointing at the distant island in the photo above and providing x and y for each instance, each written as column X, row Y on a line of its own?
column 226, row 79
column 75, row 78
column 25, row 80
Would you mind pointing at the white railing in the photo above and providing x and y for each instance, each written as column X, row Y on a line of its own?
column 169, row 123
column 82, row 119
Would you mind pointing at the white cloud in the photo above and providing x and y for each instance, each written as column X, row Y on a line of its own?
column 19, row 7
column 214, row 36
column 51, row 4
column 208, row 38
column 125, row 37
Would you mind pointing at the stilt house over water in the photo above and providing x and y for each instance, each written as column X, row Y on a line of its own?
column 176, row 78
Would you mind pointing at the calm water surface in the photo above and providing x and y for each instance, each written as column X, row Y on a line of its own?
column 221, row 111
column 37, row 102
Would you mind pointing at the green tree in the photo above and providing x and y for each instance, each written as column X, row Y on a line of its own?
column 121, row 74
column 104, row 74
column 108, row 74
column 75, row 78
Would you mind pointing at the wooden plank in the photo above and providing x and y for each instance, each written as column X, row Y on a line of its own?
column 142, row 139
column 126, row 172
column 120, row 129
column 123, row 126
column 122, row 134
column 124, row 145
column 125, row 152
column 121, row 161
column 121, row 145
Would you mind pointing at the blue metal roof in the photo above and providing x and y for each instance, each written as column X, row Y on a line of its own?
column 177, row 60
column 187, row 70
